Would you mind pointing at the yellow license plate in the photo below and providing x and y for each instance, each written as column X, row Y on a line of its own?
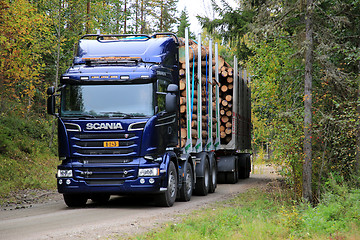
column 111, row 144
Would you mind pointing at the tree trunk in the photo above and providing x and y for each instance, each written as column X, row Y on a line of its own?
column 125, row 17
column 88, row 16
column 307, row 167
column 357, row 158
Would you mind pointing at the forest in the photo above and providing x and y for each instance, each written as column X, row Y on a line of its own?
column 303, row 56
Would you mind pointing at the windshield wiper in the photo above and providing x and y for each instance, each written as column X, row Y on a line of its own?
column 79, row 115
column 117, row 114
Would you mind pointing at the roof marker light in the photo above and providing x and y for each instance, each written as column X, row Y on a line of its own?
column 84, row 78
column 145, row 76
column 65, row 77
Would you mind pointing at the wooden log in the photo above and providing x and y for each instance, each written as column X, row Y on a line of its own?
column 224, row 103
column 228, row 98
column 182, row 100
column 182, row 84
column 228, row 125
column 222, row 134
column 229, row 79
column 222, row 128
column 228, row 113
column 230, row 86
column 228, row 131
column 182, row 108
column 222, row 112
column 183, row 132
column 224, row 74
column 182, row 72
column 183, row 142
column 224, row 119
column 224, row 88
column 230, row 71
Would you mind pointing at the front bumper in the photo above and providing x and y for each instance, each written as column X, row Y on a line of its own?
column 139, row 185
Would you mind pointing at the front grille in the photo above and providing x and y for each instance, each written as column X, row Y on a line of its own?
column 104, row 160
column 104, row 182
column 105, row 175
column 104, row 151
column 94, row 144
column 105, row 136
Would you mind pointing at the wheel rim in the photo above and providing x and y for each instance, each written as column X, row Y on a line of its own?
column 214, row 176
column 206, row 177
column 172, row 184
column 188, row 181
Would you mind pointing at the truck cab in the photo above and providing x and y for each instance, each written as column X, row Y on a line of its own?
column 118, row 123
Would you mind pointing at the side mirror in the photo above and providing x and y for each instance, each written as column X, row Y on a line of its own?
column 51, row 105
column 172, row 88
column 170, row 100
column 50, row 90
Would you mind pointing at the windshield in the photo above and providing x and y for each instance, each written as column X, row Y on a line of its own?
column 134, row 100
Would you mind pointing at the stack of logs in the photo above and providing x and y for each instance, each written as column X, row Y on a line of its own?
column 225, row 95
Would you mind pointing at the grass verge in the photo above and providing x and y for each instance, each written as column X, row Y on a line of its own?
column 270, row 214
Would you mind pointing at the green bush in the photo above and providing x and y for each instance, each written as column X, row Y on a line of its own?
column 26, row 161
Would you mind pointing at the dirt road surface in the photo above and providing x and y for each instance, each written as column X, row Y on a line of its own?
column 121, row 217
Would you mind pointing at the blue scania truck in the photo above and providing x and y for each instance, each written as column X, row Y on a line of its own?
column 119, row 126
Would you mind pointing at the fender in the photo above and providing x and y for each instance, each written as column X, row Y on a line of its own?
column 227, row 163
column 212, row 159
column 164, row 167
column 200, row 165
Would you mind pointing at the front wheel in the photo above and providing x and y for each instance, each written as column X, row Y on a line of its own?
column 167, row 198
column 187, row 187
column 75, row 200
column 100, row 198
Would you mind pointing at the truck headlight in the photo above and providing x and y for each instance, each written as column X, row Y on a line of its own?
column 149, row 172
column 64, row 173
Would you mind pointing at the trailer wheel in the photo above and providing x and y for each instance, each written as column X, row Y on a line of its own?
column 167, row 198
column 213, row 175
column 188, row 185
column 100, row 198
column 232, row 177
column 202, row 184
column 244, row 166
column 75, row 200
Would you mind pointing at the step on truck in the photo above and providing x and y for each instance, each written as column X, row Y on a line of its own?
column 155, row 115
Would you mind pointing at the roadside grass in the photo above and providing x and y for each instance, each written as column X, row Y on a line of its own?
column 26, row 161
column 269, row 213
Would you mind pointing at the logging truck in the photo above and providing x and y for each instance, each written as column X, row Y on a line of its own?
column 157, row 115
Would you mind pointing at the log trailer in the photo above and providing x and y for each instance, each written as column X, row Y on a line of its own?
column 143, row 114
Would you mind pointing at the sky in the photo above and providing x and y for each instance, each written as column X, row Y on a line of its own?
column 198, row 7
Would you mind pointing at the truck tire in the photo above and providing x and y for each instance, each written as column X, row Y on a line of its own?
column 100, row 198
column 213, row 174
column 232, row 177
column 75, row 200
column 202, row 184
column 186, row 189
column 167, row 198
column 244, row 166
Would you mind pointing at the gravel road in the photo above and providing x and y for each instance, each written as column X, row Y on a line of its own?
column 121, row 217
